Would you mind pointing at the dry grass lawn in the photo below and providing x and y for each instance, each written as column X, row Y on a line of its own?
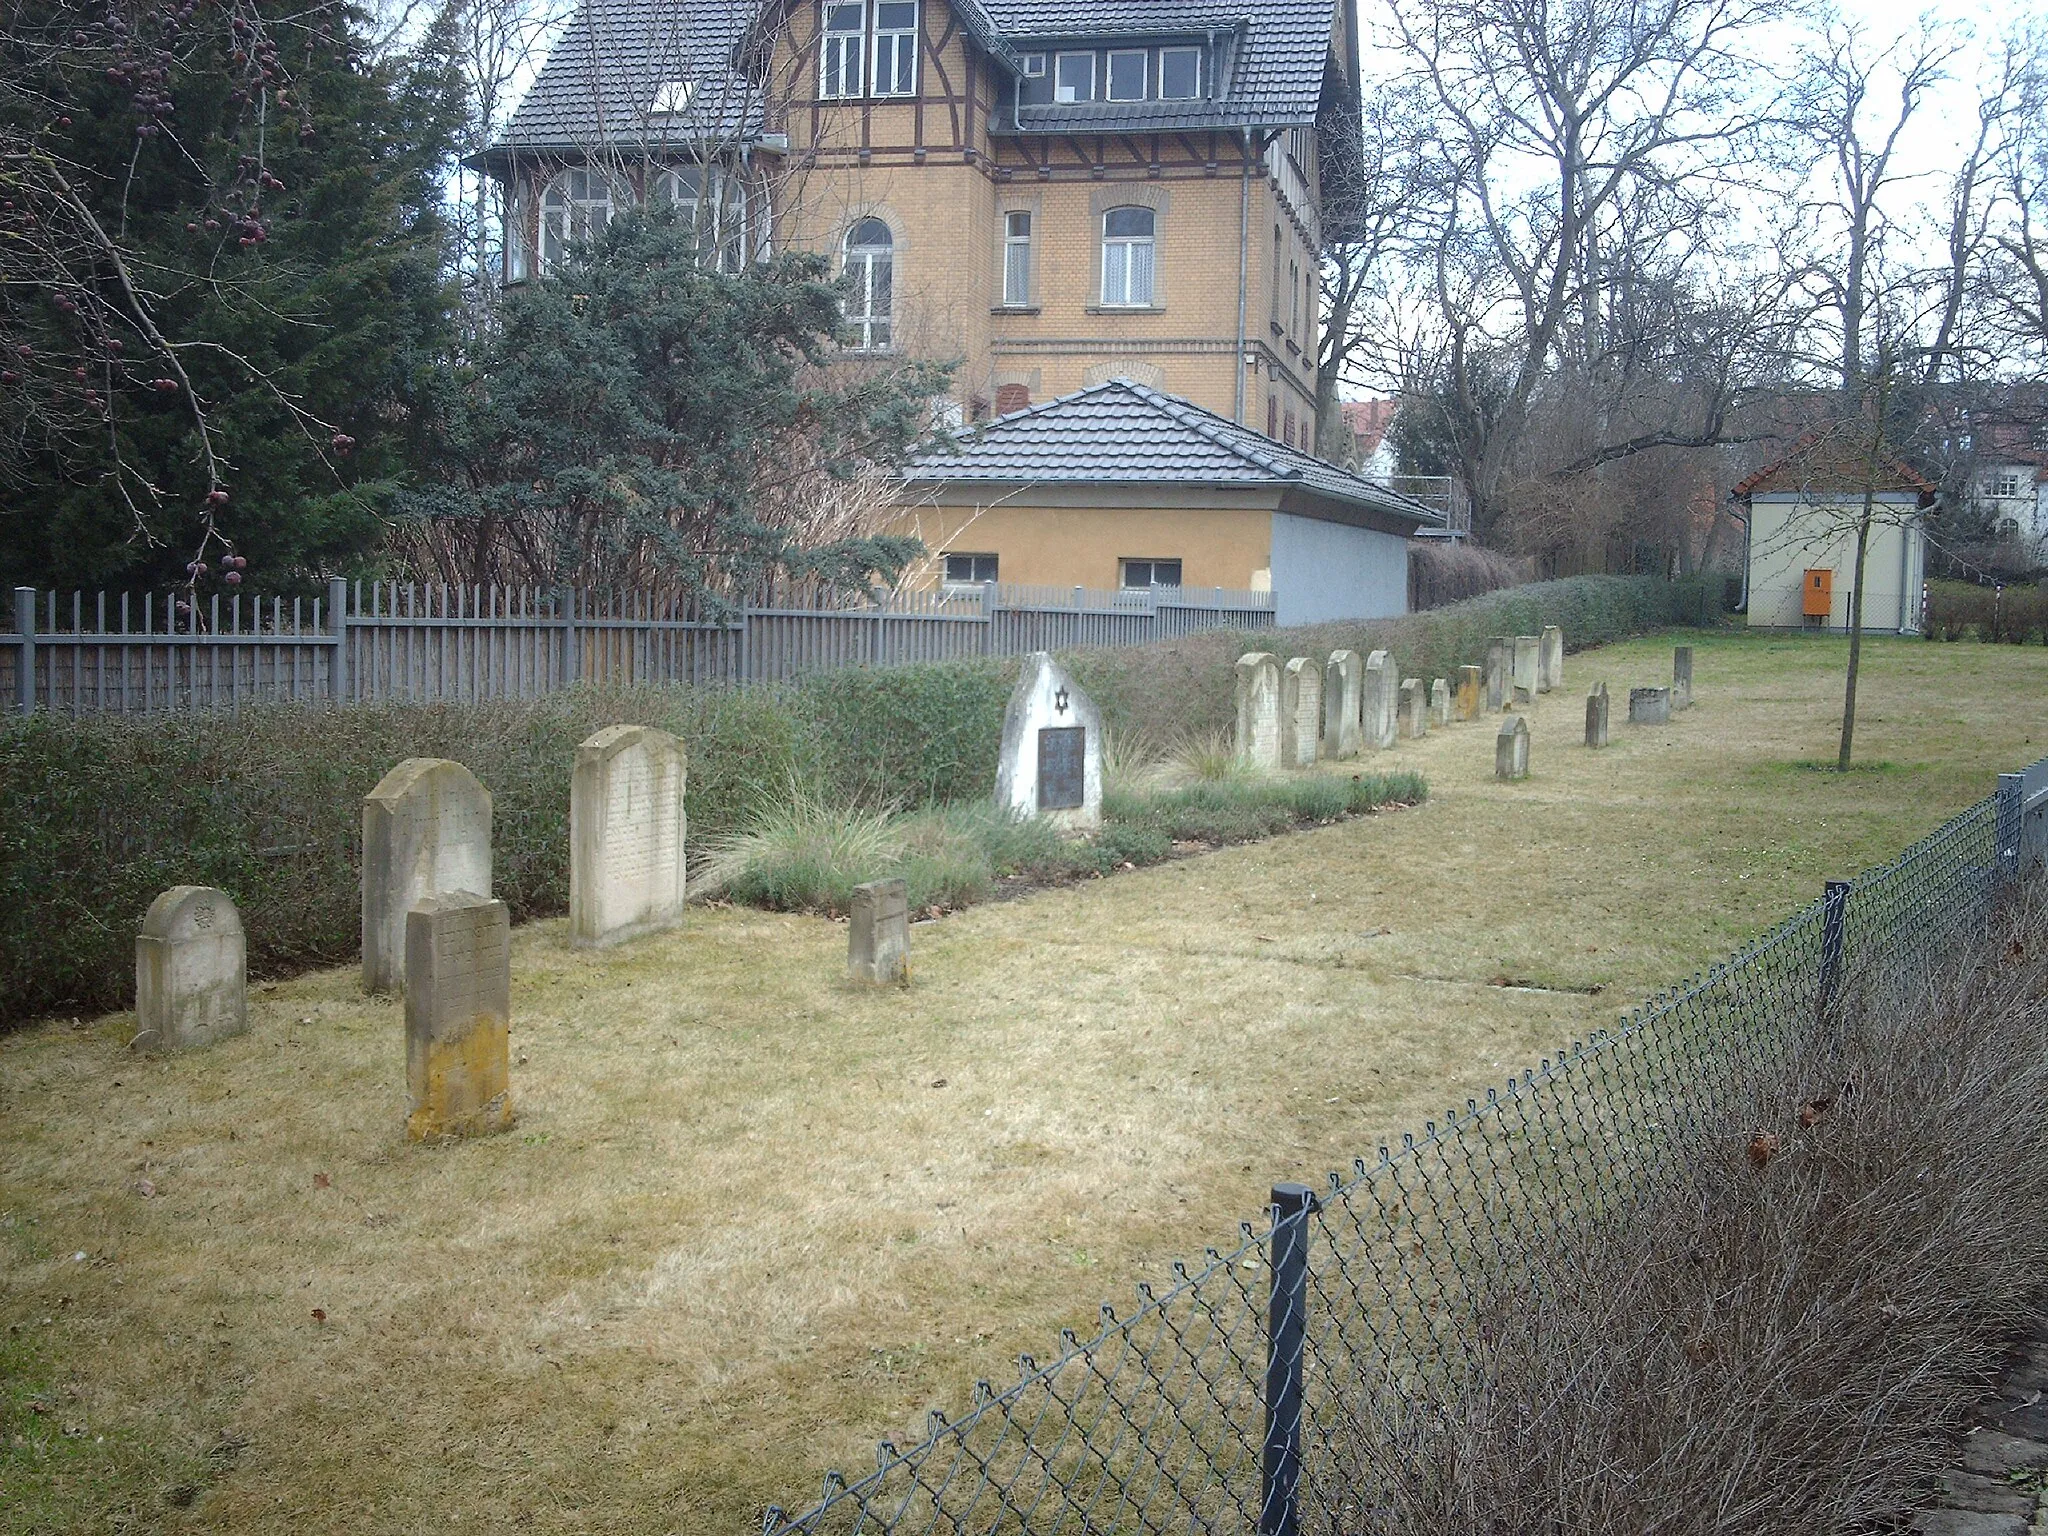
column 751, row 1219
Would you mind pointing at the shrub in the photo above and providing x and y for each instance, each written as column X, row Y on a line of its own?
column 1956, row 610
column 1443, row 571
column 265, row 803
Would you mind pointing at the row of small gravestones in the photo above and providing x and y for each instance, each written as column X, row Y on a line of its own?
column 1288, row 716
column 431, row 930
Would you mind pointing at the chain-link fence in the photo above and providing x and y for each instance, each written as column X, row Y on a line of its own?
column 1223, row 1402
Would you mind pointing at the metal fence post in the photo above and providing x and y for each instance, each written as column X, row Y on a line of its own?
column 2009, row 819
column 1834, row 909
column 1286, row 1332
column 25, row 665
column 337, row 624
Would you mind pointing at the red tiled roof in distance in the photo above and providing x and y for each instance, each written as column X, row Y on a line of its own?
column 1822, row 463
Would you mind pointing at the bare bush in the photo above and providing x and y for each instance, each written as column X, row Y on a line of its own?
column 1785, row 1338
column 1441, row 572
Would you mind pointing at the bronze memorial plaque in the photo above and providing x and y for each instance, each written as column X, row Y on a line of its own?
column 1062, row 767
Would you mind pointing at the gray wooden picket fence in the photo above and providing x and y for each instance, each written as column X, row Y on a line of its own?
column 128, row 653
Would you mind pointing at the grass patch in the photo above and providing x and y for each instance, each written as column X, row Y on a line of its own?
column 800, row 854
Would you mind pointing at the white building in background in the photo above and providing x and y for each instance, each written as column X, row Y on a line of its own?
column 1802, row 514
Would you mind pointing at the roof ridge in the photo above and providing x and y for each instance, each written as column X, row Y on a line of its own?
column 1180, row 411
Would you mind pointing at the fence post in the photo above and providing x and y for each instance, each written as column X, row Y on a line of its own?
column 1286, row 1333
column 337, row 624
column 25, row 665
column 572, row 639
column 2009, row 819
column 1834, row 908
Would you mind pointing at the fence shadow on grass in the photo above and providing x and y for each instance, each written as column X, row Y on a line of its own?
column 1230, row 1399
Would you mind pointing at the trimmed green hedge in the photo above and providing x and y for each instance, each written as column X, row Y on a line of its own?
column 103, row 814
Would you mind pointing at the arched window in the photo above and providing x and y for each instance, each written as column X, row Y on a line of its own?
column 1127, row 257
column 870, row 264
column 573, row 211
column 725, row 216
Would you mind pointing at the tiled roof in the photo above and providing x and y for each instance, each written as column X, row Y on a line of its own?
column 1273, row 63
column 1124, row 433
column 1822, row 462
column 600, row 80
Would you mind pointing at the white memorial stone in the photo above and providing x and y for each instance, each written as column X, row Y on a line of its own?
column 1301, row 712
column 1343, row 675
column 191, row 977
column 1380, row 706
column 1258, row 710
column 426, row 830
column 626, row 826
column 1051, row 762
column 1550, row 660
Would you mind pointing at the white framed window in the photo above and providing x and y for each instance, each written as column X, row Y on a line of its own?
column 1293, row 295
column 970, row 570
column 518, row 232
column 1034, row 66
column 895, row 48
column 573, row 211
column 718, row 203
column 1276, row 278
column 871, row 267
column 1180, row 74
column 1017, row 259
column 1073, row 77
column 1128, row 71
column 1149, row 573
column 841, row 51
column 2003, row 482
column 1127, row 235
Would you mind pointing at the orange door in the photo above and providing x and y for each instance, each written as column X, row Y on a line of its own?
column 1819, row 592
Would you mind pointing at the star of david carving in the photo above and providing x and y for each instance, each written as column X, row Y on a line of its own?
column 1059, row 702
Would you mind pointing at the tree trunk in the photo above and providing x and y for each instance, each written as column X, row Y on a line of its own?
column 1855, row 632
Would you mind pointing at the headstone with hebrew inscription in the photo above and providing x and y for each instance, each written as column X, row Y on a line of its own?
column 1511, row 749
column 1258, row 710
column 1596, row 717
column 1051, row 763
column 1440, row 702
column 1301, row 712
column 1681, row 677
column 1414, row 708
column 1343, row 676
column 878, row 932
column 1649, row 706
column 458, row 1015
column 1470, row 692
column 191, row 970
column 426, row 829
column 1526, row 647
column 1500, row 659
column 1380, row 707
column 626, row 826
column 1550, row 660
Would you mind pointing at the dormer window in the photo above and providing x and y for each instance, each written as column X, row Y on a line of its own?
column 672, row 98
column 1127, row 72
column 1180, row 74
column 1034, row 66
column 1073, row 77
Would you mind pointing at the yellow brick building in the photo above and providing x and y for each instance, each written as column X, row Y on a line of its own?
column 1051, row 193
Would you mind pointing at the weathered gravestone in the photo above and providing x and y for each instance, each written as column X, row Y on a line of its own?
column 1343, row 674
column 458, row 1015
column 1470, row 693
column 1649, row 706
column 1379, row 710
column 1596, row 717
column 1681, row 677
column 1440, row 702
column 1258, row 710
column 191, row 971
column 1414, row 708
column 1052, row 749
column 626, row 828
column 1550, row 659
column 1525, row 669
column 1511, row 749
column 878, row 932
column 426, row 829
column 1500, row 657
column 1301, row 712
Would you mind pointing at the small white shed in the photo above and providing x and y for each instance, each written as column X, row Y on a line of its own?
column 1802, row 515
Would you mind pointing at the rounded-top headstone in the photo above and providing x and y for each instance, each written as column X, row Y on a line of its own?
column 426, row 830
column 626, row 830
column 191, row 970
